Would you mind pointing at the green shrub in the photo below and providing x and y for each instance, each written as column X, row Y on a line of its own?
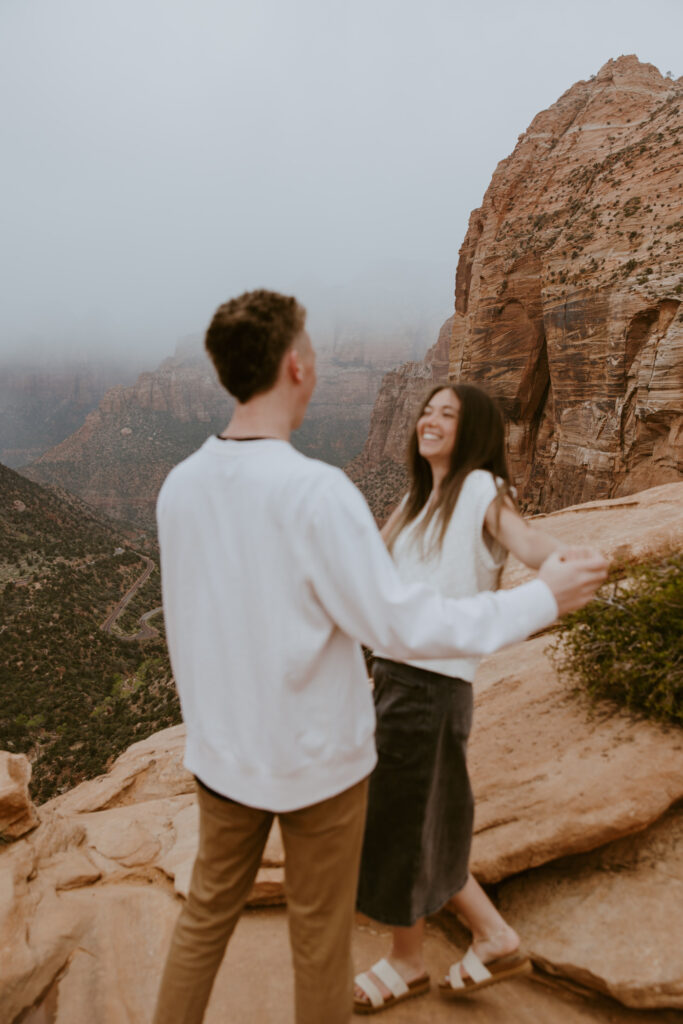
column 627, row 646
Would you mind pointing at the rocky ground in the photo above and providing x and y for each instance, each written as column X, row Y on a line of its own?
column 579, row 830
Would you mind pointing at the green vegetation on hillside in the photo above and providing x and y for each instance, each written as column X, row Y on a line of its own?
column 72, row 697
column 627, row 646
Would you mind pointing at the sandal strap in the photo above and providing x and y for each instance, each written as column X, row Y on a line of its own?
column 475, row 968
column 368, row 986
column 390, row 977
column 455, row 979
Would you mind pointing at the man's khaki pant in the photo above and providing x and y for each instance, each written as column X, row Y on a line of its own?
column 322, row 852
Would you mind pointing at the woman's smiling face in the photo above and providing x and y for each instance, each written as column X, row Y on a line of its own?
column 437, row 426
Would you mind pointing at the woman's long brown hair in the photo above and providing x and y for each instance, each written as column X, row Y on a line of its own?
column 479, row 444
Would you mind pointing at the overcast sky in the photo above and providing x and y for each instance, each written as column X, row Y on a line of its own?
column 159, row 156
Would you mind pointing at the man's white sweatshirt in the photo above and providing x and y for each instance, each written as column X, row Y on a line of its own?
column 272, row 572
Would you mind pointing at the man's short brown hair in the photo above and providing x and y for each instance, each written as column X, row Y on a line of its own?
column 248, row 337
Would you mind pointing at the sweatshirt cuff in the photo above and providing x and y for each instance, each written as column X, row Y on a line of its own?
column 535, row 606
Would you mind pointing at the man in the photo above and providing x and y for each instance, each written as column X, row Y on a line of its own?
column 273, row 571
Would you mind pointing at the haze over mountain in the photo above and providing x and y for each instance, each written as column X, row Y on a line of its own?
column 42, row 401
column 330, row 150
column 575, row 256
column 118, row 457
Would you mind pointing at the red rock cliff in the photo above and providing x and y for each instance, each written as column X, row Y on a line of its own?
column 569, row 286
column 379, row 469
column 568, row 301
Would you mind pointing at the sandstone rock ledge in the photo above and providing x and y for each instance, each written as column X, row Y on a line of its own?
column 556, row 784
column 563, row 780
column 88, row 901
column 88, row 898
column 611, row 920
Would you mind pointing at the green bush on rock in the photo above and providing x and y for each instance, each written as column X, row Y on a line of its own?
column 627, row 645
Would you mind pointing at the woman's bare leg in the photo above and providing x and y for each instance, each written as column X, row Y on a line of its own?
column 492, row 936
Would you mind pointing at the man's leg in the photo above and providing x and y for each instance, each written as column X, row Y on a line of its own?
column 231, row 842
column 322, row 854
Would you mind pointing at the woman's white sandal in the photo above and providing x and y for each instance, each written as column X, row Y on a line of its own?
column 481, row 975
column 391, row 979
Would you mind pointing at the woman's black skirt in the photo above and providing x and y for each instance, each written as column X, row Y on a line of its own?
column 420, row 811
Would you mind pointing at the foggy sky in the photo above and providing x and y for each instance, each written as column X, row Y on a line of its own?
column 160, row 156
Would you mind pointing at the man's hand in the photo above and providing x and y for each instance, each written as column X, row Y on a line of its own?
column 573, row 575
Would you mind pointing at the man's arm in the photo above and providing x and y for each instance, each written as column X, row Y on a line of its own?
column 588, row 570
column 356, row 582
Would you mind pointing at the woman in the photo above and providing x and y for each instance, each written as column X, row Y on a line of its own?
column 453, row 529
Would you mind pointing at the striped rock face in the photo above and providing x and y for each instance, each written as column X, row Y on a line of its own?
column 569, row 290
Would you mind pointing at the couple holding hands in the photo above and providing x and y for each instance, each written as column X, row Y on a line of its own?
column 273, row 574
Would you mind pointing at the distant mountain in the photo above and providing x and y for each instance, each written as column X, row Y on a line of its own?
column 42, row 404
column 118, row 458
column 73, row 696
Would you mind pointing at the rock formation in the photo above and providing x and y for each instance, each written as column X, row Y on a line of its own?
column 568, row 295
column 569, row 285
column 587, row 808
column 517, row 821
column 119, row 457
column 568, row 912
column 379, row 469
column 17, row 813
column 42, row 404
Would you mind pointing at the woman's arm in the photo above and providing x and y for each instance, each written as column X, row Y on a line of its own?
column 527, row 543
column 353, row 577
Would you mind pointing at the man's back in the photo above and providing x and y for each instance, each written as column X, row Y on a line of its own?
column 274, row 695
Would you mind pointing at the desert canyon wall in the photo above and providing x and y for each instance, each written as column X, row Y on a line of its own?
column 568, row 298
column 43, row 402
column 379, row 469
column 118, row 458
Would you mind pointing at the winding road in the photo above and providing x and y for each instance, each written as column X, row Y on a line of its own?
column 146, row 631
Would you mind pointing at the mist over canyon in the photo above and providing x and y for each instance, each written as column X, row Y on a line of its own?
column 568, row 298
column 123, row 448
